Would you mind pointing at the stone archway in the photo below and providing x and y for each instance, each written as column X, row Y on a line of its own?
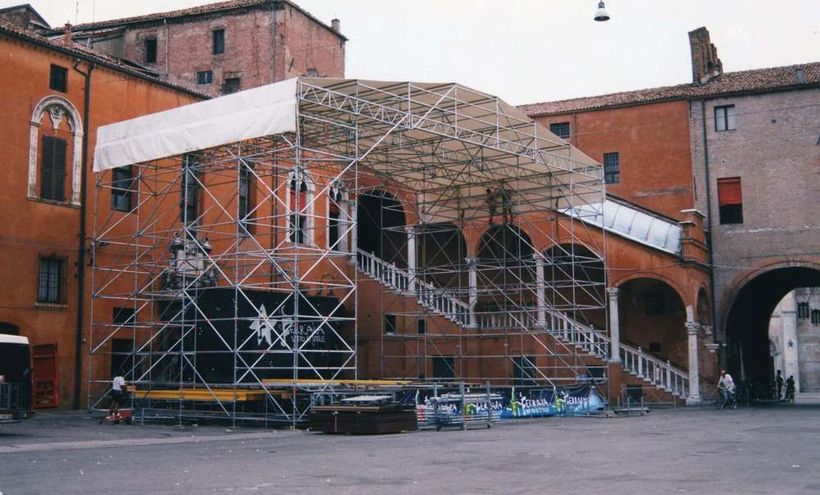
column 575, row 282
column 506, row 268
column 380, row 228
column 748, row 352
column 441, row 253
column 653, row 317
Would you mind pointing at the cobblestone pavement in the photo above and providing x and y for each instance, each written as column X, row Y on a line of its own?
column 760, row 450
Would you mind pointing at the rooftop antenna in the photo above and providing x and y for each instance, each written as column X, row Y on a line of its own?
column 77, row 12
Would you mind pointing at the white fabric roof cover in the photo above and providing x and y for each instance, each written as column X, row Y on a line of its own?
column 13, row 339
column 262, row 111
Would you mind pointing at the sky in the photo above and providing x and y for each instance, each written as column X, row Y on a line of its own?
column 527, row 51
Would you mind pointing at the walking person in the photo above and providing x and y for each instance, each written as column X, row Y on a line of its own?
column 778, row 381
column 789, row 389
column 117, row 394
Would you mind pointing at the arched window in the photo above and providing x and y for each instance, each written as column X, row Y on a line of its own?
column 339, row 218
column 55, row 147
column 300, row 207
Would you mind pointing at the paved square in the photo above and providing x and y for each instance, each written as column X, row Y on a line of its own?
column 761, row 450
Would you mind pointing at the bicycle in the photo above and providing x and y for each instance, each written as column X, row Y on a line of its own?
column 726, row 401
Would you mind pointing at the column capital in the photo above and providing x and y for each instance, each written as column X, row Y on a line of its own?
column 612, row 291
column 472, row 261
column 411, row 229
column 692, row 327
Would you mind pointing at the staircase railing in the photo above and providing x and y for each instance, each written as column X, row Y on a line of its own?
column 428, row 295
column 594, row 342
column 653, row 370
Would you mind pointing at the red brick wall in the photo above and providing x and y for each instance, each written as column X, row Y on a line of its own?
column 184, row 47
column 653, row 144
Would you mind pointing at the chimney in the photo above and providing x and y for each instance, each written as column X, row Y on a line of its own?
column 705, row 63
column 67, row 35
column 335, row 25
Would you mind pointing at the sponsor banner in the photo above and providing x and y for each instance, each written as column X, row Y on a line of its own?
column 445, row 410
column 566, row 401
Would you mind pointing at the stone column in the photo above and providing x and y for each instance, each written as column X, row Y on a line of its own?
column 694, row 385
column 472, row 265
column 540, row 286
column 353, row 233
column 411, row 258
column 614, row 326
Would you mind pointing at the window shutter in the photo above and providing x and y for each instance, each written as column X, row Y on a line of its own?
column 729, row 191
column 46, row 172
column 59, row 169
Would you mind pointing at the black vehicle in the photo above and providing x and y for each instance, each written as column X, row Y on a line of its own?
column 15, row 378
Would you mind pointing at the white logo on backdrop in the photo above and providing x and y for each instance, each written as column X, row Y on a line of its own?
column 273, row 329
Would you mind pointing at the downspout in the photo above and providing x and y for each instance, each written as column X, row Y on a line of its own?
column 709, row 238
column 78, row 348
column 167, row 50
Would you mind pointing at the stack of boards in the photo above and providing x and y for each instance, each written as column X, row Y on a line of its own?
column 363, row 415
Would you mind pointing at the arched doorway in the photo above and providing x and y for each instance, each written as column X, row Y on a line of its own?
column 653, row 317
column 748, row 348
column 575, row 283
column 380, row 227
column 506, row 269
column 441, row 256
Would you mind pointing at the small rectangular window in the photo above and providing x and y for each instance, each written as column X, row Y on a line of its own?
column 612, row 168
column 390, row 324
column 725, row 118
column 218, row 41
column 231, row 85
column 52, row 168
column 150, row 46
column 654, row 302
column 204, row 77
column 560, row 129
column 524, row 371
column 59, row 79
column 50, row 281
column 122, row 316
column 444, row 367
column 730, row 200
column 122, row 188
column 421, row 327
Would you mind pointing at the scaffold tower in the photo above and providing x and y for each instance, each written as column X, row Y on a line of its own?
column 254, row 250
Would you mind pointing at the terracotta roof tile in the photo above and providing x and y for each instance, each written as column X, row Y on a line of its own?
column 192, row 11
column 749, row 81
column 87, row 53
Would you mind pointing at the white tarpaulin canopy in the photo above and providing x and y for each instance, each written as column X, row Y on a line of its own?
column 257, row 112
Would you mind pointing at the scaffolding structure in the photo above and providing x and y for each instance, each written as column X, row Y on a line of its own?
column 228, row 279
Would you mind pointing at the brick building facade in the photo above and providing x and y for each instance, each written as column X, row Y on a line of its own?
column 742, row 149
column 54, row 96
column 223, row 47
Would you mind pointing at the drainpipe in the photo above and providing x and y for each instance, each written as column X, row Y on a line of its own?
column 709, row 239
column 78, row 349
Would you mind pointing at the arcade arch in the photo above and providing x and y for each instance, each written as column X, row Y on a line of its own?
column 652, row 316
column 746, row 322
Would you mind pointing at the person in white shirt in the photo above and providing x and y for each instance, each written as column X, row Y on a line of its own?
column 726, row 385
column 117, row 388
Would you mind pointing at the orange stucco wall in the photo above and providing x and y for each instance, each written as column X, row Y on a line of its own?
column 653, row 144
column 31, row 227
